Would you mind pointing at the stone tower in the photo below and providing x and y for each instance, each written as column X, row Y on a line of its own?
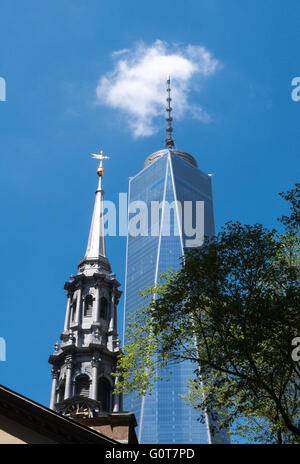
column 82, row 385
column 171, row 178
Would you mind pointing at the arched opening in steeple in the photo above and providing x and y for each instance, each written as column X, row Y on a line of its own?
column 104, row 393
column 88, row 306
column 82, row 386
column 61, row 391
column 73, row 310
column 103, row 308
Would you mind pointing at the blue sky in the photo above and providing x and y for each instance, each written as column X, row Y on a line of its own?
column 52, row 56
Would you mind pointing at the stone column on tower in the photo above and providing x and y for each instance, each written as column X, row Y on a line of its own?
column 55, row 375
column 95, row 365
column 68, row 385
column 67, row 319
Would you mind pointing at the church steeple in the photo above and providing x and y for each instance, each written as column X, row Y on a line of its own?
column 82, row 384
column 95, row 255
column 96, row 243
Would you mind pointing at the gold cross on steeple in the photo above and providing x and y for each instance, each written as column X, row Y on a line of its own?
column 101, row 157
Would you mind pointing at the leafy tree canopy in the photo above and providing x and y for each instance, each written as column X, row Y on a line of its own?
column 233, row 311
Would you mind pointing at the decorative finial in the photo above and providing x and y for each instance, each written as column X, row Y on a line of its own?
column 101, row 157
column 169, row 140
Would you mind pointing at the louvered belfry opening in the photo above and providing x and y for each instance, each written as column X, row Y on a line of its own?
column 61, row 391
column 88, row 308
column 104, row 394
column 82, row 386
column 103, row 308
column 73, row 310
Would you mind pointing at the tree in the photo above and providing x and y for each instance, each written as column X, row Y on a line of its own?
column 233, row 311
column 293, row 196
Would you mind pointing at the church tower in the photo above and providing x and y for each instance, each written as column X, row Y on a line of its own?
column 82, row 385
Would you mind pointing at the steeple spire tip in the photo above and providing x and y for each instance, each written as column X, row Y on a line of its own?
column 96, row 243
column 101, row 157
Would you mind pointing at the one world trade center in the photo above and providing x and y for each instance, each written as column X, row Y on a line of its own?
column 172, row 178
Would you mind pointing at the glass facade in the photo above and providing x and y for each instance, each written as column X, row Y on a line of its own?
column 164, row 417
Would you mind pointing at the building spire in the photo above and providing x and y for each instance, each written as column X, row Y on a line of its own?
column 169, row 140
column 82, row 387
column 96, row 243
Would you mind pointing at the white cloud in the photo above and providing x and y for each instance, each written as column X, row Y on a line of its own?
column 137, row 84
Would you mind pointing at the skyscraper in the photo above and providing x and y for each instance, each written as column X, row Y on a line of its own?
column 172, row 178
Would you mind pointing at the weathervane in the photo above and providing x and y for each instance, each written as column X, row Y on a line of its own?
column 101, row 157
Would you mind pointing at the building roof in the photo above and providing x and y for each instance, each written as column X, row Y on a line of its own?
column 45, row 422
column 157, row 154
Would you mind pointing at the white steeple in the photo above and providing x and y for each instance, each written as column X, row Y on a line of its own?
column 88, row 353
column 95, row 256
column 96, row 243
